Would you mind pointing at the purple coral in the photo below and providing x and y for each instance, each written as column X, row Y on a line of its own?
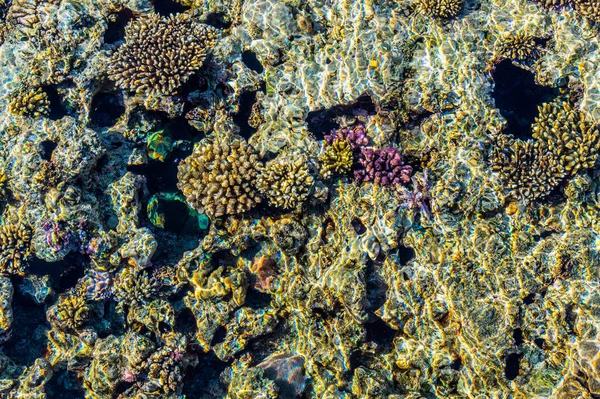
column 355, row 136
column 384, row 167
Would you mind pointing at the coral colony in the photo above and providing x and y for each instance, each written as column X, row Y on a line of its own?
column 294, row 199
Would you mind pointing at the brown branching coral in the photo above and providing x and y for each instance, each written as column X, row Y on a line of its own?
column 133, row 286
column 518, row 47
column 160, row 54
column 336, row 159
column 563, row 143
column 33, row 103
column 564, row 131
column 285, row 183
column 589, row 9
column 72, row 311
column 439, row 8
column 527, row 171
column 4, row 190
column 218, row 177
column 15, row 240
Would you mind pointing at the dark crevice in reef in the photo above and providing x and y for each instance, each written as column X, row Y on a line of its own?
column 257, row 300
column 539, row 342
column 251, row 61
column 47, row 147
column 247, row 100
column 321, row 122
column 198, row 379
column 115, row 31
column 517, row 96
column 406, row 254
column 218, row 20
column 106, row 109
column 64, row 273
column 379, row 332
column 28, row 341
column 511, row 365
column 168, row 7
column 64, row 385
column 518, row 336
column 57, row 110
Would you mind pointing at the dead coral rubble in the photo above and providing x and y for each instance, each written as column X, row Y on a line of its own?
column 160, row 54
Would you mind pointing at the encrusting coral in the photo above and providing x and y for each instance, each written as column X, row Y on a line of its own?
column 33, row 103
column 15, row 251
column 218, row 177
column 563, row 143
column 72, row 311
column 285, row 182
column 160, row 54
column 132, row 286
column 439, row 8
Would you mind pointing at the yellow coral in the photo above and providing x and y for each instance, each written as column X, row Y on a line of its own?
column 72, row 311
column 519, row 46
column 440, row 8
column 15, row 241
column 4, row 191
column 160, row 54
column 133, row 286
column 285, row 183
column 336, row 159
column 33, row 103
column 218, row 177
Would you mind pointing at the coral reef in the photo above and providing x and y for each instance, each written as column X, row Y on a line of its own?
column 336, row 159
column 517, row 46
column 30, row 102
column 285, row 181
column 4, row 186
column 160, row 54
column 72, row 311
column 439, row 8
column 384, row 167
column 219, row 177
column 563, row 143
column 133, row 286
column 15, row 240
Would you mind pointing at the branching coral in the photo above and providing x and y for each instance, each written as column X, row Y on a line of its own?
column 563, row 143
column 439, row 8
column 336, row 159
column 4, row 190
column 33, row 103
column 384, row 167
column 518, row 47
column 132, row 286
column 589, row 9
column 355, row 136
column 218, row 177
column 285, row 183
column 15, row 242
column 160, row 54
column 72, row 311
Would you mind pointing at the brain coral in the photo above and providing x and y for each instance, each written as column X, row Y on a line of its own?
column 160, row 54
column 218, row 177
column 285, row 182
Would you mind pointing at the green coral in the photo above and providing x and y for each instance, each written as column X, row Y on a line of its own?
column 218, row 177
column 285, row 183
column 336, row 159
